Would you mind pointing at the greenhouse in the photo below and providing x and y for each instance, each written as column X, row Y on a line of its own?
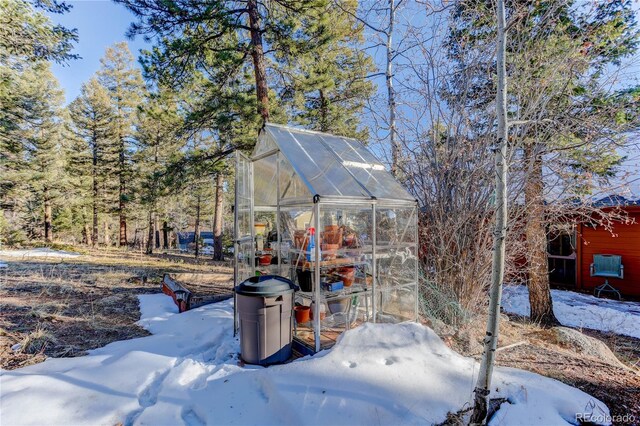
column 324, row 212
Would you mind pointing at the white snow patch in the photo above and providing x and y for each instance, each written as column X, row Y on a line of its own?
column 580, row 310
column 188, row 373
column 38, row 252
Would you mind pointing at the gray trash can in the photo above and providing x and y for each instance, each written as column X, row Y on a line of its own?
column 265, row 305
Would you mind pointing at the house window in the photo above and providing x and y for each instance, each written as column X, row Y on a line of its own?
column 561, row 243
column 561, row 253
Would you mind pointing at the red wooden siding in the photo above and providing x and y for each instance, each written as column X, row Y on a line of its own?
column 625, row 242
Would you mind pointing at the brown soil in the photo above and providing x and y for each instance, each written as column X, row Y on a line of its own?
column 62, row 308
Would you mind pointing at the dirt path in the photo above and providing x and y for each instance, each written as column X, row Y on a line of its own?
column 55, row 308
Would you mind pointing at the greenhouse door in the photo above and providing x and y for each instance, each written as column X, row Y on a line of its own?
column 244, row 246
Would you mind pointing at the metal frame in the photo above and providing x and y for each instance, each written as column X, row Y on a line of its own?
column 317, row 204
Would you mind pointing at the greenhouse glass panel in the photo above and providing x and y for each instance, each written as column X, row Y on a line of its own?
column 265, row 144
column 396, row 304
column 366, row 168
column 396, row 226
column 291, row 186
column 317, row 165
column 244, row 240
column 265, row 185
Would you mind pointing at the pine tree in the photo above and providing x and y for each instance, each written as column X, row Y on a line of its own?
column 219, row 29
column 27, row 36
column 93, row 157
column 123, row 81
column 327, row 85
column 158, row 138
column 42, row 138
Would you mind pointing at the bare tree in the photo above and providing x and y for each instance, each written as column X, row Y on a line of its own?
column 482, row 389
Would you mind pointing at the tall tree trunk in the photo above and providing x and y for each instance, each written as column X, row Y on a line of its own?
column 324, row 112
column 107, row 237
column 483, row 385
column 94, row 191
column 86, row 235
column 196, row 230
column 536, row 241
column 165, row 235
column 217, row 219
column 48, row 235
column 257, row 54
column 94, row 194
column 151, row 232
column 391, row 94
column 122, row 241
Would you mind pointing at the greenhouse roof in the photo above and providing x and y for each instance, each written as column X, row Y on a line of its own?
column 329, row 165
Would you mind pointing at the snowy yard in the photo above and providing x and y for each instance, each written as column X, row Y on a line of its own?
column 580, row 310
column 187, row 372
column 38, row 252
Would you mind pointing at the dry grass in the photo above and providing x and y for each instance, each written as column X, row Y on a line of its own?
column 36, row 341
column 56, row 308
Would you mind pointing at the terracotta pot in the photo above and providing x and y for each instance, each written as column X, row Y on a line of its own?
column 348, row 275
column 331, row 228
column 329, row 251
column 303, row 314
column 298, row 239
column 333, row 237
column 265, row 260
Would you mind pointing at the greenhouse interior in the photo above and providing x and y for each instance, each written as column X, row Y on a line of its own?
column 324, row 212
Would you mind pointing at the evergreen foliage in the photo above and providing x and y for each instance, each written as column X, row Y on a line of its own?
column 124, row 84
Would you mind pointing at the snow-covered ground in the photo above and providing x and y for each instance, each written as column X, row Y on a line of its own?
column 580, row 310
column 38, row 252
column 187, row 372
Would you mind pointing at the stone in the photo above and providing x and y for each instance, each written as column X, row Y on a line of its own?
column 586, row 345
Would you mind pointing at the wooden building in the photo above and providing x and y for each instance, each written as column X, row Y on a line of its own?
column 571, row 253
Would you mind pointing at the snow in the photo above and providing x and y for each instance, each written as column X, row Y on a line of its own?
column 38, row 252
column 580, row 310
column 188, row 372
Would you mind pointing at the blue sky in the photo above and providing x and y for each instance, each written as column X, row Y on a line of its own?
column 100, row 24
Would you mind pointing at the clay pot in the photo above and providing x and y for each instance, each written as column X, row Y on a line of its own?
column 331, row 228
column 348, row 275
column 303, row 314
column 298, row 239
column 333, row 237
column 265, row 260
column 329, row 251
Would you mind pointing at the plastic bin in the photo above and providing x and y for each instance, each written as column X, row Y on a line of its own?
column 265, row 306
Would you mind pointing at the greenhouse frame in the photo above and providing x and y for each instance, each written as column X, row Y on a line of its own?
column 324, row 212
